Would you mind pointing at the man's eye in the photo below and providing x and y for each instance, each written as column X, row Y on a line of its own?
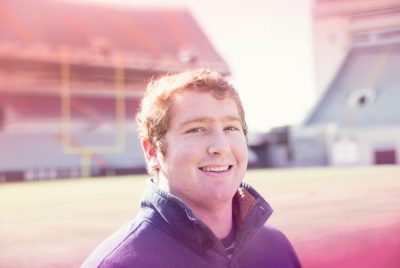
column 195, row 130
column 232, row 128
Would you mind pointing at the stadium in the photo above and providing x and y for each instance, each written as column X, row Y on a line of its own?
column 70, row 83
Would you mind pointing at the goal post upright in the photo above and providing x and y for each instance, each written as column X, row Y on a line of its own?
column 86, row 152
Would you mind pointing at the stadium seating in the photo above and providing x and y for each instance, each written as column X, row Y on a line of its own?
column 370, row 75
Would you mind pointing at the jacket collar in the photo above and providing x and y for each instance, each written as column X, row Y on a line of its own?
column 171, row 214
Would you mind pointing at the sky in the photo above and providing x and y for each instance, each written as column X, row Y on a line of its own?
column 268, row 46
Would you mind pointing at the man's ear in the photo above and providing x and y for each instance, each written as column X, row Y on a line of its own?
column 150, row 154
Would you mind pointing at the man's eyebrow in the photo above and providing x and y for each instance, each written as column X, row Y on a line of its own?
column 193, row 120
column 231, row 118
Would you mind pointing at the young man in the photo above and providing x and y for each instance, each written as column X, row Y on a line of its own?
column 195, row 212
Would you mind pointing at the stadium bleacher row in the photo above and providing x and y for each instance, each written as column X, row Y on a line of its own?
column 371, row 74
column 32, row 139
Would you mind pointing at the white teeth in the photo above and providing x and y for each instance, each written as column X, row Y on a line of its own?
column 216, row 169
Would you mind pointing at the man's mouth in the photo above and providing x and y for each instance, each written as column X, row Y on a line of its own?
column 216, row 169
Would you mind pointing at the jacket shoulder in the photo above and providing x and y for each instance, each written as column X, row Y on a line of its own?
column 111, row 244
column 145, row 245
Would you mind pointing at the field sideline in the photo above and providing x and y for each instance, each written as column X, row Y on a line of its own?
column 335, row 217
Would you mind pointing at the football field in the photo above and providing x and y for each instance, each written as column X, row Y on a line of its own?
column 335, row 217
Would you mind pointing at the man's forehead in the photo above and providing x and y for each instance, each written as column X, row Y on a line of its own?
column 210, row 119
column 190, row 107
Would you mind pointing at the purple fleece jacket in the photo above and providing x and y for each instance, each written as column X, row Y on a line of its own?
column 167, row 234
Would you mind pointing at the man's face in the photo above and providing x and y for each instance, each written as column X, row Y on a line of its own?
column 207, row 154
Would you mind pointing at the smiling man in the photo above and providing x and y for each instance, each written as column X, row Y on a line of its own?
column 196, row 211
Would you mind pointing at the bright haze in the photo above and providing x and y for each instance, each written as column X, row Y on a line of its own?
column 268, row 47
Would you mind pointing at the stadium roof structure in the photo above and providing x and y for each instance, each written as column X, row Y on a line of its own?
column 365, row 91
column 42, row 34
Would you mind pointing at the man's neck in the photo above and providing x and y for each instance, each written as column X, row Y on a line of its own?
column 219, row 219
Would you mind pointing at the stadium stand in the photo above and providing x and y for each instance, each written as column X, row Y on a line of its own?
column 370, row 75
column 357, row 120
column 71, row 77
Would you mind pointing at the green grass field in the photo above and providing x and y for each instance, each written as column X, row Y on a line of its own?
column 342, row 217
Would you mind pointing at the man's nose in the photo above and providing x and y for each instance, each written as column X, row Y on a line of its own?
column 219, row 144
